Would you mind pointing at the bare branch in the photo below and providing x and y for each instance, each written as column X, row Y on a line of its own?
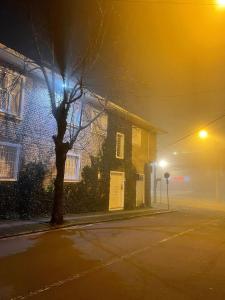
column 51, row 92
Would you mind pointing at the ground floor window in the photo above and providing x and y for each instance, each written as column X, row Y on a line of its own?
column 72, row 167
column 9, row 159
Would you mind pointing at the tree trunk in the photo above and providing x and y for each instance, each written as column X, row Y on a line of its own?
column 57, row 211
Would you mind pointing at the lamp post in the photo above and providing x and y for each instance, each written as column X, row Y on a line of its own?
column 162, row 164
column 203, row 134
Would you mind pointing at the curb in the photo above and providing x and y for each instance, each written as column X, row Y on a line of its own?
column 59, row 227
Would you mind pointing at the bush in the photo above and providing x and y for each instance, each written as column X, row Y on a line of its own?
column 87, row 195
column 32, row 198
column 8, row 200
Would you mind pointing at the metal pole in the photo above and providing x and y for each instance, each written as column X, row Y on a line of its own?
column 160, row 190
column 154, row 183
column 167, row 193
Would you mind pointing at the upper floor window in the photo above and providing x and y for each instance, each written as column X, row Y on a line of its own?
column 136, row 136
column 119, row 145
column 72, row 167
column 9, row 159
column 10, row 92
column 74, row 114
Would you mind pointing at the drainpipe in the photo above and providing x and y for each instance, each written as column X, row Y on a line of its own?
column 148, row 171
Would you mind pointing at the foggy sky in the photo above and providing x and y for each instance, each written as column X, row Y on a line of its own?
column 163, row 61
column 167, row 63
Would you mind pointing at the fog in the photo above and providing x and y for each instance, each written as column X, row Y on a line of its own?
column 165, row 61
column 168, row 62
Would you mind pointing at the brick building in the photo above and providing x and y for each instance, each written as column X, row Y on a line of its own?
column 126, row 142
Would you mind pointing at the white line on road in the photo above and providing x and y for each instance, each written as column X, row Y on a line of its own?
column 176, row 235
column 100, row 267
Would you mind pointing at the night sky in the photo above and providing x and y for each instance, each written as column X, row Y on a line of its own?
column 164, row 61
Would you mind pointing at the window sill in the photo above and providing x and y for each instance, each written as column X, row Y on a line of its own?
column 71, row 180
column 8, row 179
column 4, row 114
column 121, row 158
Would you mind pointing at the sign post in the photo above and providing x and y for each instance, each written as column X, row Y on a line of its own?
column 167, row 176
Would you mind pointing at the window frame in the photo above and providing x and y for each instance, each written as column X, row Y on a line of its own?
column 122, row 146
column 21, row 96
column 16, row 163
column 71, row 124
column 136, row 136
column 66, row 179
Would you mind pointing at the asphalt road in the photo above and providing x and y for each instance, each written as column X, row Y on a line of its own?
column 179, row 255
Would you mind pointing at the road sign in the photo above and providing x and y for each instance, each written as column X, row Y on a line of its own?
column 167, row 175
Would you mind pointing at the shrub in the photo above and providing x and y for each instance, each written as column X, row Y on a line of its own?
column 8, row 200
column 87, row 195
column 32, row 198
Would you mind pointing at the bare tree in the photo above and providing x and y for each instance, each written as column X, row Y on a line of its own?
column 65, row 74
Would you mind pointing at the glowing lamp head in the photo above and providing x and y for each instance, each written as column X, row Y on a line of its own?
column 203, row 134
column 221, row 3
column 163, row 164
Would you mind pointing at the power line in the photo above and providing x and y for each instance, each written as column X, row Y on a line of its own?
column 194, row 132
column 173, row 2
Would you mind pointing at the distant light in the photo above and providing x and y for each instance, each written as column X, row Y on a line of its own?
column 175, row 153
column 203, row 134
column 163, row 163
column 221, row 3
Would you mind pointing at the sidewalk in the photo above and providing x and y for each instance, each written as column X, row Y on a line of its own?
column 20, row 227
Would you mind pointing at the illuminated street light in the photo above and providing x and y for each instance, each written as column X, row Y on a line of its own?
column 221, row 3
column 203, row 134
column 163, row 164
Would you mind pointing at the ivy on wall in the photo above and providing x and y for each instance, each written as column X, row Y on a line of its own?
column 29, row 198
column 118, row 123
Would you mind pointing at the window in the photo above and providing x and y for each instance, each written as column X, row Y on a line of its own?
column 136, row 136
column 119, row 145
column 74, row 114
column 99, row 126
column 10, row 92
column 9, row 158
column 72, row 167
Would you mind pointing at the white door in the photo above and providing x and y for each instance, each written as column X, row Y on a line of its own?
column 116, row 195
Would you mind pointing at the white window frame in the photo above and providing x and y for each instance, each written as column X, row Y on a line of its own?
column 67, row 179
column 21, row 101
column 16, row 168
column 71, row 124
column 136, row 136
column 122, row 145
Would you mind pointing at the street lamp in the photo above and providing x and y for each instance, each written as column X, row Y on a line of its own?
column 221, row 3
column 203, row 134
column 163, row 164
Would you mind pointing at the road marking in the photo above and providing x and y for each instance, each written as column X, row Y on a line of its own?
column 176, row 235
column 100, row 267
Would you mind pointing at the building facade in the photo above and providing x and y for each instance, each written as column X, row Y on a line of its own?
column 124, row 143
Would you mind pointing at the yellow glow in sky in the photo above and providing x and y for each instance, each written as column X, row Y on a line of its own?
column 221, row 3
column 203, row 134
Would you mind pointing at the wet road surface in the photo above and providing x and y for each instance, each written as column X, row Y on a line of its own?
column 180, row 255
